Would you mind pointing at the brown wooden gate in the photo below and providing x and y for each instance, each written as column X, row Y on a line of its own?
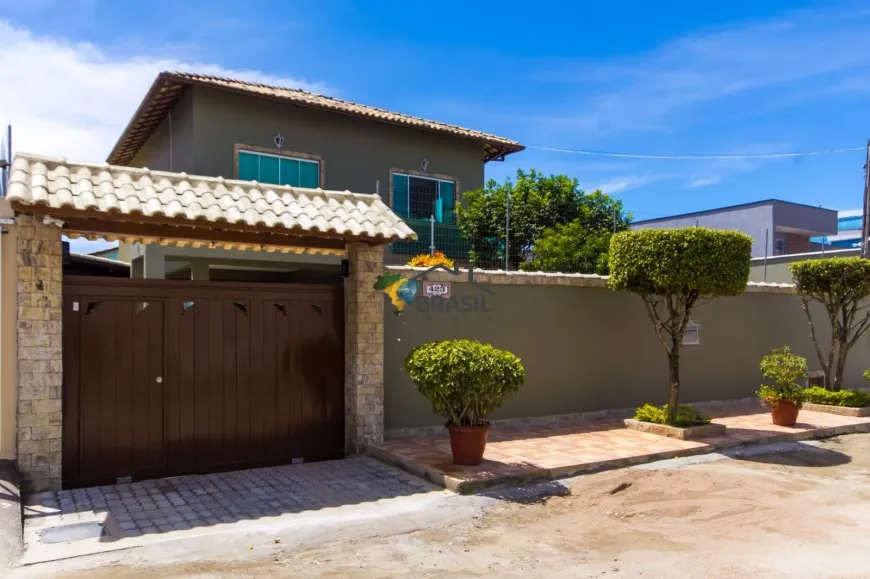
column 163, row 378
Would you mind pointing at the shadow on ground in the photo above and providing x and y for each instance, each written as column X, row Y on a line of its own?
column 188, row 502
column 529, row 493
column 803, row 456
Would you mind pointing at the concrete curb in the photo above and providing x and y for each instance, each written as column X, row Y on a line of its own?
column 840, row 410
column 711, row 430
column 463, row 486
column 10, row 516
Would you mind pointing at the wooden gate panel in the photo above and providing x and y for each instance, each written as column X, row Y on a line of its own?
column 115, row 393
column 164, row 378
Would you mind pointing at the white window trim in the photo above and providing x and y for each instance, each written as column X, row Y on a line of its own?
column 288, row 157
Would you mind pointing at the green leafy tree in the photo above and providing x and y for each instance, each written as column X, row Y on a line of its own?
column 673, row 271
column 574, row 247
column 554, row 224
column 842, row 286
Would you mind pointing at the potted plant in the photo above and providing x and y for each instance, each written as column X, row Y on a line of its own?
column 785, row 397
column 465, row 381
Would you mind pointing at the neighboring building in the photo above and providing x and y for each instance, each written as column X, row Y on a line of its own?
column 93, row 264
column 788, row 227
column 203, row 125
column 112, row 253
column 849, row 224
column 776, row 269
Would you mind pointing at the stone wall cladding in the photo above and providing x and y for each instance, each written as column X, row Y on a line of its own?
column 500, row 277
column 40, row 355
column 364, row 348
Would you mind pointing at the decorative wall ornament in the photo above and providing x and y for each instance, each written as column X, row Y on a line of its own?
column 279, row 140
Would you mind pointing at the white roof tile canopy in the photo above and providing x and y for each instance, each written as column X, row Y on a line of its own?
column 131, row 194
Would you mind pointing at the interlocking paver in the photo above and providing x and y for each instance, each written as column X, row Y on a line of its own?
column 185, row 503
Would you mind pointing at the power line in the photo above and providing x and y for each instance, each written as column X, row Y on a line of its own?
column 699, row 156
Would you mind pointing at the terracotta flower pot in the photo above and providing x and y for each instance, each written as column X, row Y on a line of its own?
column 468, row 443
column 785, row 413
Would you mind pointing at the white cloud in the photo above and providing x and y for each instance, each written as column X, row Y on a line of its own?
column 74, row 99
column 623, row 183
column 704, row 181
column 791, row 56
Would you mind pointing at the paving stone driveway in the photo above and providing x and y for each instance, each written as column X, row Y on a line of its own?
column 190, row 502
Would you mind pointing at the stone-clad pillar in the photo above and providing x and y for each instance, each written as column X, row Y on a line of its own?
column 40, row 355
column 364, row 347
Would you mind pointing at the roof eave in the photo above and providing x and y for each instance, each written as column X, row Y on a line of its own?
column 502, row 149
column 149, row 96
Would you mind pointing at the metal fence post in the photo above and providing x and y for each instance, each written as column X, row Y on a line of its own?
column 432, row 235
column 507, row 233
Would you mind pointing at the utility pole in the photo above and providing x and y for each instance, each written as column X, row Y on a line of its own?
column 865, row 226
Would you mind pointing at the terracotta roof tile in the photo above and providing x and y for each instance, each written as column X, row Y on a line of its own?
column 58, row 184
column 169, row 86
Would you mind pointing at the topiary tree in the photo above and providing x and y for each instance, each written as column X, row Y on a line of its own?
column 841, row 285
column 672, row 270
column 464, row 380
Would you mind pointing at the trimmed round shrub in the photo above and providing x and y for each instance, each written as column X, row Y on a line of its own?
column 464, row 380
column 706, row 262
column 844, row 277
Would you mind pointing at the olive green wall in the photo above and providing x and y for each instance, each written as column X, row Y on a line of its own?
column 356, row 152
column 587, row 349
column 171, row 147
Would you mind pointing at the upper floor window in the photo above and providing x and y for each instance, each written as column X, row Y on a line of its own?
column 278, row 169
column 421, row 197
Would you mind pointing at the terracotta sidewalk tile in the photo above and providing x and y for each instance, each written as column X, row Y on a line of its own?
column 571, row 447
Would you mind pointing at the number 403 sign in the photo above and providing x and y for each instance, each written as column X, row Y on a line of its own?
column 436, row 289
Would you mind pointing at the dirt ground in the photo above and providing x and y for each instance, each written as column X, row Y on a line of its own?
column 790, row 514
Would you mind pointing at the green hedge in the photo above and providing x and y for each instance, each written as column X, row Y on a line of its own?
column 661, row 261
column 840, row 276
column 686, row 415
column 849, row 398
column 463, row 379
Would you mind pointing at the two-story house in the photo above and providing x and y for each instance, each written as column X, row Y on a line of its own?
column 220, row 183
column 203, row 125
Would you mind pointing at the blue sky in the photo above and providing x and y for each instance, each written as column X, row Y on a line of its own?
column 665, row 78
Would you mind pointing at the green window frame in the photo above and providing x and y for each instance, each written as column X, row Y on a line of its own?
column 406, row 205
column 278, row 169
